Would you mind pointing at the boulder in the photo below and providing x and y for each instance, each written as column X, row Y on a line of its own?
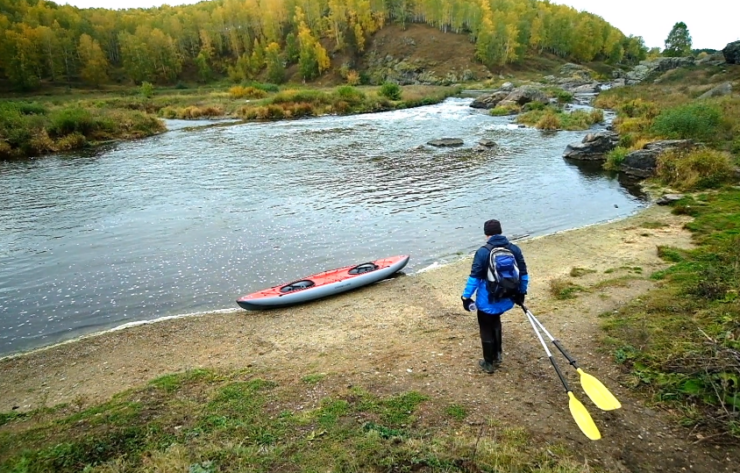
column 527, row 94
column 662, row 64
column 669, row 199
column 487, row 143
column 490, row 100
column 507, row 87
column 593, row 147
column 642, row 163
column 719, row 91
column 591, row 88
column 446, row 142
column 732, row 53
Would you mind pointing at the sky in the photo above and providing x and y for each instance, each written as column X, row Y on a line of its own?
column 712, row 23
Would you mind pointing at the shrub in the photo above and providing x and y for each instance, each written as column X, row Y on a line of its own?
column 692, row 121
column 390, row 90
column 632, row 125
column 349, row 94
column 698, row 169
column 534, row 106
column 639, row 108
column 615, row 158
column 353, row 78
column 563, row 96
column 71, row 120
column 238, row 92
column 146, row 89
column 70, row 142
column 298, row 96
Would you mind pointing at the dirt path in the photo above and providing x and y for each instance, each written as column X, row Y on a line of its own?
column 411, row 333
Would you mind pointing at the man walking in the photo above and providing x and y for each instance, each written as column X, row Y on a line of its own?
column 499, row 277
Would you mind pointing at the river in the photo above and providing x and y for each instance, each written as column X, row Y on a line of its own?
column 187, row 221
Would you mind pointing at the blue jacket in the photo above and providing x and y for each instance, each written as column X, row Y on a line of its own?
column 477, row 279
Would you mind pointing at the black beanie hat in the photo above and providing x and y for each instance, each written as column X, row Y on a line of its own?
column 492, row 227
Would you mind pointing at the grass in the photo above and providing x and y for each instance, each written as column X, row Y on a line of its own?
column 681, row 343
column 550, row 118
column 701, row 168
column 562, row 289
column 207, row 421
column 615, row 158
column 578, row 272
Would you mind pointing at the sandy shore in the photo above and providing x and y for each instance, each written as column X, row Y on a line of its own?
column 410, row 332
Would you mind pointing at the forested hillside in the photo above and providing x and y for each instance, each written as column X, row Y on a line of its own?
column 44, row 43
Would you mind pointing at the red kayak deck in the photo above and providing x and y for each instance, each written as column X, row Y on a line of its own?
column 320, row 283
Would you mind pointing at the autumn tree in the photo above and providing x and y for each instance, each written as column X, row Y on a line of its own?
column 275, row 64
column 94, row 63
column 678, row 42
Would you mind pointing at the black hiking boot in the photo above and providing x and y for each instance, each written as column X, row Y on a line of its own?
column 486, row 363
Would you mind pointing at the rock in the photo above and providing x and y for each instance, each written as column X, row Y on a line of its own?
column 507, row 87
column 669, row 199
column 574, row 70
column 719, row 91
column 618, row 83
column 642, row 163
column 527, row 94
column 663, row 64
column 487, row 143
column 591, row 88
column 732, row 53
column 479, row 149
column 593, row 147
column 489, row 101
column 446, row 142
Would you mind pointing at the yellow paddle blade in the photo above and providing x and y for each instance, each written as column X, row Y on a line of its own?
column 583, row 418
column 599, row 394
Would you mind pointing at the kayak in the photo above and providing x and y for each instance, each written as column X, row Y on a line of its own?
column 327, row 283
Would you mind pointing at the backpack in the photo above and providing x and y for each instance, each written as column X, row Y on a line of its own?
column 502, row 276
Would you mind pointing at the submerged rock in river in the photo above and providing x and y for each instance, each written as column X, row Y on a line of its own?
column 442, row 142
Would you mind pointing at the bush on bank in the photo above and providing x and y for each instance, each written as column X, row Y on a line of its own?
column 32, row 129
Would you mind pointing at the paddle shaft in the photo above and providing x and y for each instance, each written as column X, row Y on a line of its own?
column 549, row 354
column 571, row 360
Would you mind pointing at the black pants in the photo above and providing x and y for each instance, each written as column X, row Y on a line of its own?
column 490, row 333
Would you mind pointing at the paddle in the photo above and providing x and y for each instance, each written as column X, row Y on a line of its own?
column 599, row 394
column 577, row 410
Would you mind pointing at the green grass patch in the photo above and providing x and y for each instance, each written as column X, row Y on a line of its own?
column 562, row 289
column 681, row 342
column 208, row 422
column 457, row 412
column 313, row 378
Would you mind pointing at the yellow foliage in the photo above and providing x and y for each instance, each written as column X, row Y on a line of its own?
column 353, row 77
column 549, row 121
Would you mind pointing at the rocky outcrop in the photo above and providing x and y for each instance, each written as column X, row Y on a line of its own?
column 404, row 71
column 526, row 94
column 491, row 100
column 446, row 142
column 719, row 91
column 507, row 97
column 642, row 163
column 593, row 147
column 732, row 53
column 645, row 69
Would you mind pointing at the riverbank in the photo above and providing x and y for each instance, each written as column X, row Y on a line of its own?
column 41, row 125
column 404, row 335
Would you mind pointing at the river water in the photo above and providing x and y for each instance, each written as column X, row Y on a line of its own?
column 189, row 220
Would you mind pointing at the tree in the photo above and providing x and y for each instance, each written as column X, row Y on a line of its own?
column 678, row 42
column 94, row 63
column 274, row 63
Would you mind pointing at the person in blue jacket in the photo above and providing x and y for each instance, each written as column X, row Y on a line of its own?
column 490, row 310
